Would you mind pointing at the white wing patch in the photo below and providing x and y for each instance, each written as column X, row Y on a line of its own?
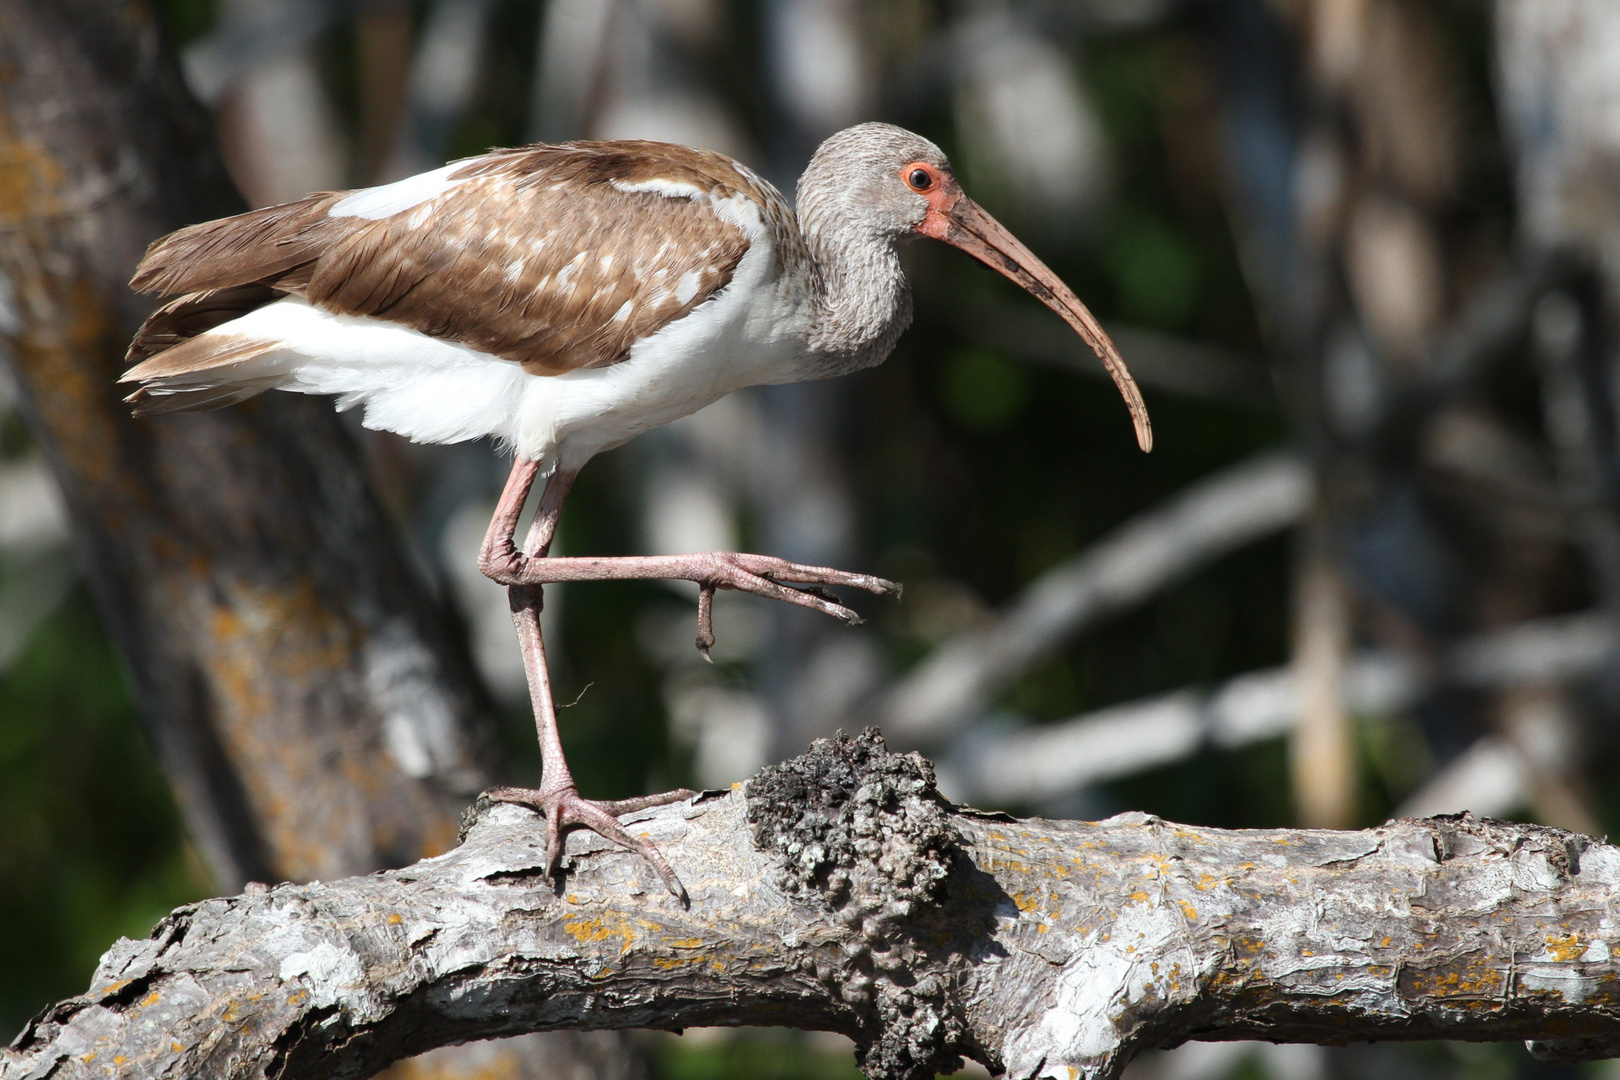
column 565, row 276
column 672, row 189
column 376, row 203
column 687, row 286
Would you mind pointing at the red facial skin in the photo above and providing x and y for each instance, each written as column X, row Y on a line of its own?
column 959, row 221
column 942, row 193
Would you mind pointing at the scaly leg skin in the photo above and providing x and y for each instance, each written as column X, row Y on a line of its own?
column 557, row 797
column 762, row 575
column 523, row 573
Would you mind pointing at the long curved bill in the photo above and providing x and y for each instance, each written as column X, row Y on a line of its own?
column 964, row 224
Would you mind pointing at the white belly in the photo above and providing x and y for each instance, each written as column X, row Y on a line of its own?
column 431, row 390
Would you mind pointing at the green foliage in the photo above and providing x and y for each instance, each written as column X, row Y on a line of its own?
column 762, row 1054
column 187, row 20
column 1155, row 270
column 90, row 844
column 982, row 390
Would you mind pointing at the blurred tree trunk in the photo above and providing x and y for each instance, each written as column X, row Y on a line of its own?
column 313, row 715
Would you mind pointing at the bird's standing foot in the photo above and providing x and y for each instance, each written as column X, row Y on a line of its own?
column 564, row 808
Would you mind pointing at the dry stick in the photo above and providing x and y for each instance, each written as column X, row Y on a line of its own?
column 1321, row 752
column 995, row 764
column 1207, row 520
column 838, row 892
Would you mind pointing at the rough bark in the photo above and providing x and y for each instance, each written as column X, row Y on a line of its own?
column 312, row 714
column 839, row 892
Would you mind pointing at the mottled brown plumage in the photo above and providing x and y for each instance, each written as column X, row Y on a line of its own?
column 547, row 256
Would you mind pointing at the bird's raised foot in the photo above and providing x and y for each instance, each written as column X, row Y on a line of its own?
column 565, row 809
column 762, row 575
column 775, row 579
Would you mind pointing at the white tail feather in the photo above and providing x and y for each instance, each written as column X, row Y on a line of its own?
column 421, row 387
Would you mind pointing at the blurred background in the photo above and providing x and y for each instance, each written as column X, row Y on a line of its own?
column 1362, row 256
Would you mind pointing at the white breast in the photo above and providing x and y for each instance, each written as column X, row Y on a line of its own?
column 753, row 332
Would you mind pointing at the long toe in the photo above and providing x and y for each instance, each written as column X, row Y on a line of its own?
column 768, row 566
column 554, row 838
column 618, row 807
column 565, row 810
column 594, row 817
column 735, row 577
column 519, row 796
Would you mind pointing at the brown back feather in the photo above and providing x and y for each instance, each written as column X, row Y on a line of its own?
column 536, row 255
column 250, row 247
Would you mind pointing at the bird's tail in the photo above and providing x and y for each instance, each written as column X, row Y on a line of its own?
column 182, row 368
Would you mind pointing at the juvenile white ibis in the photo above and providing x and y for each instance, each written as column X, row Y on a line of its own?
column 564, row 299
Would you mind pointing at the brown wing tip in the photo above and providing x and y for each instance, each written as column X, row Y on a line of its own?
column 150, row 269
column 140, row 372
column 141, row 403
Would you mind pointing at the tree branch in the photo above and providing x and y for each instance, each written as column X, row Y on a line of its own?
column 838, row 891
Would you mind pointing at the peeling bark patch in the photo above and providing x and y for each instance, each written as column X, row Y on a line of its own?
column 1473, row 977
column 864, row 832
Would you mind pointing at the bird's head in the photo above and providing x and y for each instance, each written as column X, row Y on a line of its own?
column 896, row 183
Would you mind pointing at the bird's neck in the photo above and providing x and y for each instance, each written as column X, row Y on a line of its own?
column 862, row 300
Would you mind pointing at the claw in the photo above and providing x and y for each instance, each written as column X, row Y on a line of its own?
column 566, row 808
column 705, row 630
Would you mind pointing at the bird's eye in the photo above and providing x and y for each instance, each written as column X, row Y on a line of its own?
column 920, row 180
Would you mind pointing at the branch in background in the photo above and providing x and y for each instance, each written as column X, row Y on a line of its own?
column 1491, row 777
column 1321, row 750
column 1488, row 330
column 570, row 69
column 1532, row 761
column 1158, row 360
column 1018, row 766
column 838, row 892
column 443, row 78
column 261, row 33
column 38, row 571
column 1207, row 520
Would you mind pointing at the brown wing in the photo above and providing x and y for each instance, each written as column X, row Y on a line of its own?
column 253, row 247
column 555, row 257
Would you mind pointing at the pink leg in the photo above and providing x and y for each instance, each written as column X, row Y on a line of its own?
column 557, row 797
column 762, row 575
column 525, row 572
